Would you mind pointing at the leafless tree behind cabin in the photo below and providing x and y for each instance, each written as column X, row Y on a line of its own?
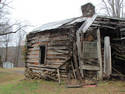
column 114, row 8
column 20, row 36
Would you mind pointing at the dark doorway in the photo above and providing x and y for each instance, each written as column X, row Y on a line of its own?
column 42, row 54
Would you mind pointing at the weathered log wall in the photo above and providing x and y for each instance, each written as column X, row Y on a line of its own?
column 58, row 47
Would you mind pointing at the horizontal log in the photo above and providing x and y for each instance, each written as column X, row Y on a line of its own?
column 36, row 44
column 34, row 48
column 58, row 47
column 66, row 42
column 59, row 51
column 34, row 63
column 32, row 60
column 42, row 66
column 88, row 67
column 60, row 44
column 54, row 61
column 42, row 69
column 106, row 22
column 33, row 52
column 58, row 35
column 39, row 40
column 59, row 38
column 61, row 55
column 40, row 36
column 57, row 57
column 52, row 36
column 39, row 43
column 33, row 56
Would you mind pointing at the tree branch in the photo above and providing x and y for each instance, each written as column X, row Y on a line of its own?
column 106, row 7
column 6, row 33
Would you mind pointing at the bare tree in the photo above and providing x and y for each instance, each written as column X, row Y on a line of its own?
column 21, row 37
column 8, row 29
column 7, row 39
column 5, row 22
column 114, row 8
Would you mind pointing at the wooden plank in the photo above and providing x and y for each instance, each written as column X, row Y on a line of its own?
column 89, row 49
column 100, row 76
column 78, row 43
column 88, row 67
column 107, row 57
column 88, row 23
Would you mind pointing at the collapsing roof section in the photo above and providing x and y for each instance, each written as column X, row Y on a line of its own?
column 59, row 24
column 68, row 22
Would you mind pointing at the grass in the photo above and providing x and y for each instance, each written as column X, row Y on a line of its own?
column 13, row 83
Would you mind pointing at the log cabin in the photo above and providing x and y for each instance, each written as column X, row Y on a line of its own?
column 86, row 47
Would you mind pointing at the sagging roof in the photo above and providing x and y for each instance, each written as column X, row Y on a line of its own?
column 61, row 24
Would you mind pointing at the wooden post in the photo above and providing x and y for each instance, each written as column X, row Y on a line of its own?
column 83, row 29
column 58, row 73
column 74, row 73
column 75, row 62
column 107, row 57
column 99, row 55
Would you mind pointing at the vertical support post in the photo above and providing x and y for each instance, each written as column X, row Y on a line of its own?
column 75, row 62
column 83, row 29
column 107, row 57
column 58, row 73
column 99, row 55
column 78, row 43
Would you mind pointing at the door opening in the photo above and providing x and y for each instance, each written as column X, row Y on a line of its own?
column 42, row 54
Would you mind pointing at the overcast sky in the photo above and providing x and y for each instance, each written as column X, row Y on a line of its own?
column 39, row 12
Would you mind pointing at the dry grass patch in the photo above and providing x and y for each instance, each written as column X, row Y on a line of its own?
column 12, row 83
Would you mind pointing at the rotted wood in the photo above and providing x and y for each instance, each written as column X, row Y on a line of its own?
column 75, row 59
